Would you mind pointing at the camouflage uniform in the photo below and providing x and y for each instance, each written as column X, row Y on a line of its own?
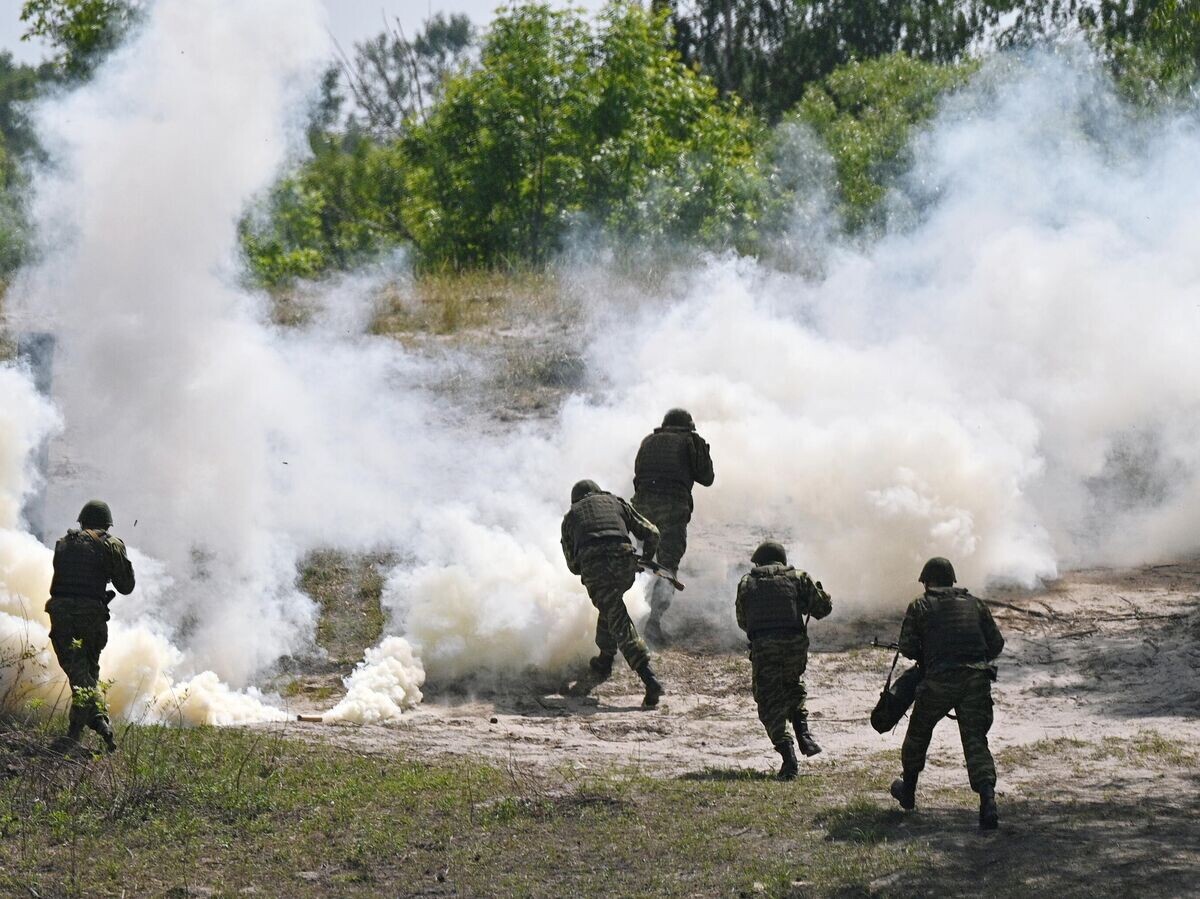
column 85, row 561
column 779, row 655
column 953, row 636
column 669, row 462
column 595, row 543
column 608, row 572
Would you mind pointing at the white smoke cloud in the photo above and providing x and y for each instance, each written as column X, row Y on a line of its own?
column 1007, row 380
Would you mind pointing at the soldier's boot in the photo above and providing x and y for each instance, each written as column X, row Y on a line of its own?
column 654, row 689
column 601, row 667
column 790, row 767
column 70, row 739
column 989, row 815
column 102, row 726
column 808, row 746
column 904, row 791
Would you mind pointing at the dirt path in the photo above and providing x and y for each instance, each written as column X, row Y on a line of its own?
column 1115, row 655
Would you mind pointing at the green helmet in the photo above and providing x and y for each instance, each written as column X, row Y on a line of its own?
column 679, row 418
column 582, row 489
column 769, row 552
column 938, row 572
column 95, row 515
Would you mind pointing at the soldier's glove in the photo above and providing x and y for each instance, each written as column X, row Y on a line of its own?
column 109, row 596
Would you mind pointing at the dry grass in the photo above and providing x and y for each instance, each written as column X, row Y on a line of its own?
column 452, row 303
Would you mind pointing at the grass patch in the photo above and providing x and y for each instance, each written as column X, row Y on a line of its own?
column 348, row 590
column 213, row 811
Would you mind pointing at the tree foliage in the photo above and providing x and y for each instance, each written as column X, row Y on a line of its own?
column 559, row 123
column 769, row 51
column 865, row 112
column 393, row 79
column 81, row 31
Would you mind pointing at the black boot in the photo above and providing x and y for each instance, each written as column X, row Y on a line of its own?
column 904, row 791
column 104, row 729
column 808, row 746
column 653, row 688
column 790, row 768
column 989, row 815
column 601, row 667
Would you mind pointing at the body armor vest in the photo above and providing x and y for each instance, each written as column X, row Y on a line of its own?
column 598, row 516
column 953, row 635
column 81, row 566
column 664, row 456
column 772, row 601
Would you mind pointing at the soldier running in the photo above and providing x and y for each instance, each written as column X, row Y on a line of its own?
column 774, row 602
column 595, row 542
column 669, row 462
column 85, row 561
column 952, row 636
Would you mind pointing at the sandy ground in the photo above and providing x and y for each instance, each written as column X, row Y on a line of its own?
column 1114, row 654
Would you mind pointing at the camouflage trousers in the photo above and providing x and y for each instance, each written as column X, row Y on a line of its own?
column 608, row 571
column 78, row 634
column 777, row 675
column 670, row 514
column 968, row 692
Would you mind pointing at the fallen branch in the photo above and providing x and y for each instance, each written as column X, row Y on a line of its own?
column 1008, row 605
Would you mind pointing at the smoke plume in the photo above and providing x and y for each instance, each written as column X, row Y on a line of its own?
column 1007, row 378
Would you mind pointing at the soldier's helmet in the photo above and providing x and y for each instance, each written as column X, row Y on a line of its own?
column 582, row 489
column 95, row 515
column 679, row 418
column 768, row 553
column 938, row 572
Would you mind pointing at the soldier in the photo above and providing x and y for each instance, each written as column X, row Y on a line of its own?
column 668, row 463
column 774, row 602
column 952, row 636
column 595, row 542
column 85, row 560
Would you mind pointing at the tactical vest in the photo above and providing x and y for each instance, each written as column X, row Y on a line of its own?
column 664, row 458
column 81, row 565
column 772, row 601
column 598, row 516
column 953, row 635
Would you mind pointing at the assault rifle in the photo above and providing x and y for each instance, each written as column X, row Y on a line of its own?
column 875, row 644
column 658, row 571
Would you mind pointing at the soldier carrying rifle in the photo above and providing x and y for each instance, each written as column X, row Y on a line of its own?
column 953, row 637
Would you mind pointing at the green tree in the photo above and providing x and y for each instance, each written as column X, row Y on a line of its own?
column 497, row 167
column 339, row 209
column 560, row 123
column 866, row 111
column 19, row 85
column 393, row 79
column 82, row 31
column 769, row 51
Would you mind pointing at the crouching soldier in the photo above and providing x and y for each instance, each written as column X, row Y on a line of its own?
column 595, row 542
column 952, row 636
column 774, row 602
column 85, row 561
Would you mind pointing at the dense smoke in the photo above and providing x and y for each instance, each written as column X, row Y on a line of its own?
column 1006, row 379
